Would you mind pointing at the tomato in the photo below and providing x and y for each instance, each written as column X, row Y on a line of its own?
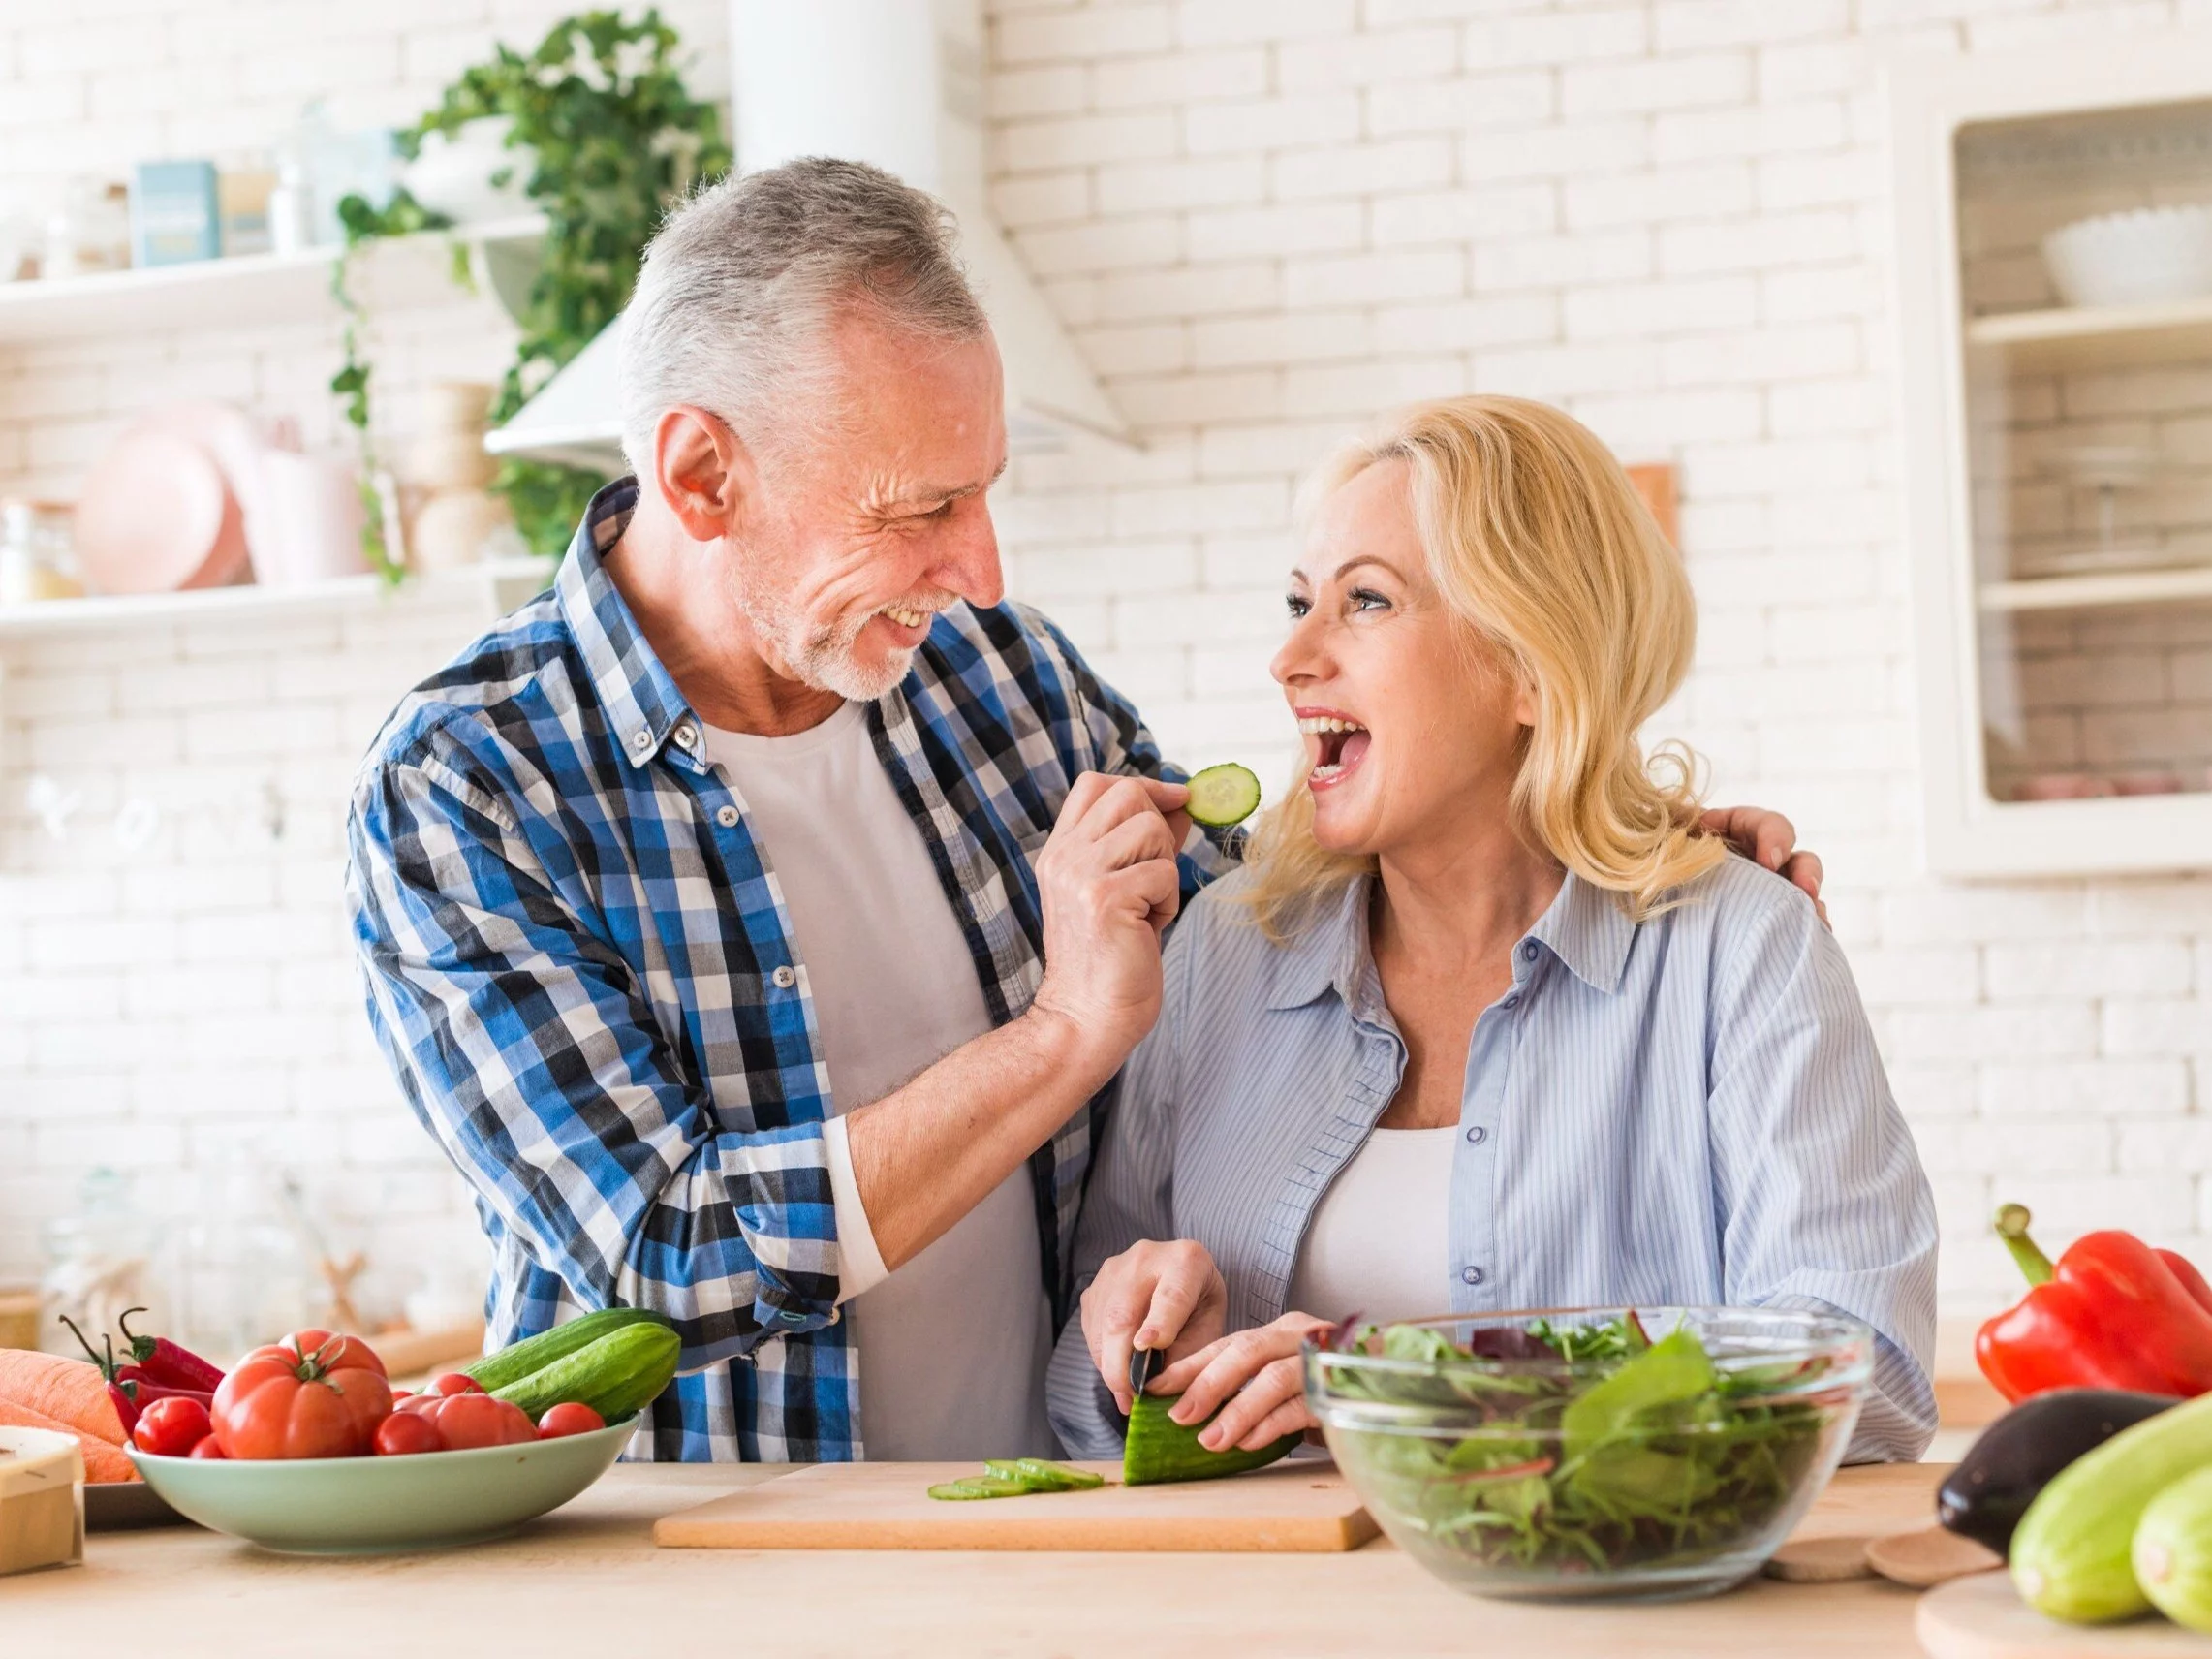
column 569, row 1417
column 171, row 1427
column 311, row 1395
column 209, row 1448
column 405, row 1432
column 469, row 1420
column 453, row 1382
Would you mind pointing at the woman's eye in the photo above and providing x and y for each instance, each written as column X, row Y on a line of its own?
column 1296, row 607
column 1367, row 599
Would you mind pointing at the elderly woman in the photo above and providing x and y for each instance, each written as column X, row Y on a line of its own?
column 1485, row 1022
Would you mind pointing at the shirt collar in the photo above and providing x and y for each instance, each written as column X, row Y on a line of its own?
column 641, row 698
column 1588, row 930
column 1584, row 927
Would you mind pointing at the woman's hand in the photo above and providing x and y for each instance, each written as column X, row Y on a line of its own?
column 1152, row 1295
column 1768, row 839
column 1258, row 1372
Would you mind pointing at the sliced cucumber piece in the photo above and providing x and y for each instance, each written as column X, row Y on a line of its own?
column 971, row 1486
column 1224, row 795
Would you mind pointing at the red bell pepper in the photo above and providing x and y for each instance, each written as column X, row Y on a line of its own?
column 2113, row 1313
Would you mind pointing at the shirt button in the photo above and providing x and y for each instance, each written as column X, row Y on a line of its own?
column 642, row 741
column 1477, row 1136
column 726, row 817
column 783, row 978
column 686, row 735
column 1528, row 951
column 1471, row 1275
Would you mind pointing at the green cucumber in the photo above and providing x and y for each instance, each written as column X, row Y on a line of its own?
column 2070, row 1554
column 969, row 1487
column 1159, row 1448
column 617, row 1375
column 2172, row 1552
column 1224, row 795
column 511, row 1363
column 1042, row 1475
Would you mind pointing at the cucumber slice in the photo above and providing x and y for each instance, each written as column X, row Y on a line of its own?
column 971, row 1487
column 1042, row 1475
column 1224, row 795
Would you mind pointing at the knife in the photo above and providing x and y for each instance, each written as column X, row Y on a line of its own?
column 1143, row 1366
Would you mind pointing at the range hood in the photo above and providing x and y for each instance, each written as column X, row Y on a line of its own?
column 899, row 83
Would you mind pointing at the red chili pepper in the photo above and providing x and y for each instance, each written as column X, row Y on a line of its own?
column 142, row 1388
column 169, row 1363
column 118, row 1390
column 2113, row 1313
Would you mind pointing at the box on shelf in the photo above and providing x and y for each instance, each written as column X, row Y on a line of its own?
column 175, row 215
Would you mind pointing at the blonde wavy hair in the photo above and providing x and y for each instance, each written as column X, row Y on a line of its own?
column 1542, row 548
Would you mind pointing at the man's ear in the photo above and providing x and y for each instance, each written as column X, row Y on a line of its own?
column 702, row 470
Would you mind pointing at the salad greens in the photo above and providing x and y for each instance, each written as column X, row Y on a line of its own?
column 1632, row 1453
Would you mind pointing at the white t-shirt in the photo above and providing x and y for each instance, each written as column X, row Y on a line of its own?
column 952, row 1345
column 1380, row 1246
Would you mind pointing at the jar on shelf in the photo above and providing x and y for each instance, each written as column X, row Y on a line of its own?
column 37, row 557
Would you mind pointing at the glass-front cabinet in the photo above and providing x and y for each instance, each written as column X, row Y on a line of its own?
column 2054, row 285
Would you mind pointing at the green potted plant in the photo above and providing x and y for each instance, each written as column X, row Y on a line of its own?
column 600, row 114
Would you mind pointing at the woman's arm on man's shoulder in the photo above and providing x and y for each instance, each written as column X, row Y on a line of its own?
column 1823, row 1200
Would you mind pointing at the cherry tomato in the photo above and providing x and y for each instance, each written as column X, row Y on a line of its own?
column 453, row 1382
column 209, row 1448
column 569, row 1417
column 171, row 1427
column 469, row 1420
column 311, row 1395
column 405, row 1432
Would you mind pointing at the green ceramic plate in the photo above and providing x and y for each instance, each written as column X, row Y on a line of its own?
column 366, row 1505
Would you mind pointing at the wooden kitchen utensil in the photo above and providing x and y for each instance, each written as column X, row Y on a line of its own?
column 1929, row 1555
column 1982, row 1618
column 1296, row 1506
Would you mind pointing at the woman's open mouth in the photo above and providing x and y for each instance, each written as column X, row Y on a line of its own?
column 1342, row 744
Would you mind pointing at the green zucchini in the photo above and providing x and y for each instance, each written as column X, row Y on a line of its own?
column 513, row 1363
column 1224, row 795
column 1159, row 1448
column 2172, row 1552
column 617, row 1375
column 2070, row 1554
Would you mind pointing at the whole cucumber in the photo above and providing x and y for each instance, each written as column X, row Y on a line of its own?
column 2070, row 1552
column 516, row 1361
column 2173, row 1552
column 616, row 1376
column 1159, row 1448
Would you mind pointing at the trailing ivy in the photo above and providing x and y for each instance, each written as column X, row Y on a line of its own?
column 618, row 141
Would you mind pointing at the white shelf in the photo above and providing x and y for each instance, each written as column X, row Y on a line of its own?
column 2091, row 592
column 254, row 289
column 509, row 578
column 2082, row 335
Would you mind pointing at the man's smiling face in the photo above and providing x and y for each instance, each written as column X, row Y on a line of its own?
column 868, row 516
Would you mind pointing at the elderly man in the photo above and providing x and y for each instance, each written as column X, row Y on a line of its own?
column 758, row 916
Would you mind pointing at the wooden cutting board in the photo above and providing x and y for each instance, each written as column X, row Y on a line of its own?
column 1296, row 1506
column 1982, row 1618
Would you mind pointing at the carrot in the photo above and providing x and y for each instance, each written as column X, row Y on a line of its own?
column 68, row 1390
column 104, row 1463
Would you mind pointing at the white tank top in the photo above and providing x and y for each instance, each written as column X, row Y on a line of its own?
column 1379, row 1245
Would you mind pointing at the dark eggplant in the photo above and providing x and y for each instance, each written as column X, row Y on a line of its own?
column 2017, row 1455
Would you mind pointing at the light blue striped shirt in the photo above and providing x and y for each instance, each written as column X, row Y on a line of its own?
column 1686, row 1110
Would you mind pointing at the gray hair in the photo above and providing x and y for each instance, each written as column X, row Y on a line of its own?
column 742, row 284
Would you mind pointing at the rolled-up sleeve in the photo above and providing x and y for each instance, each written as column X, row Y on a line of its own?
column 1824, row 1202
column 1131, row 1198
column 524, row 1043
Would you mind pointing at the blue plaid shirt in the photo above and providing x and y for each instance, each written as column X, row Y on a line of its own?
column 581, row 970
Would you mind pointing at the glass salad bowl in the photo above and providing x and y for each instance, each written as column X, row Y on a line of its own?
column 1655, row 1452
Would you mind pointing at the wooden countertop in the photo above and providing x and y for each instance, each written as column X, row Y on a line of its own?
column 588, row 1581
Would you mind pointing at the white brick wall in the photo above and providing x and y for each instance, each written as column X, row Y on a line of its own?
column 1263, row 223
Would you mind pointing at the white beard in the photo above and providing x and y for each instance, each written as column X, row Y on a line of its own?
column 826, row 659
